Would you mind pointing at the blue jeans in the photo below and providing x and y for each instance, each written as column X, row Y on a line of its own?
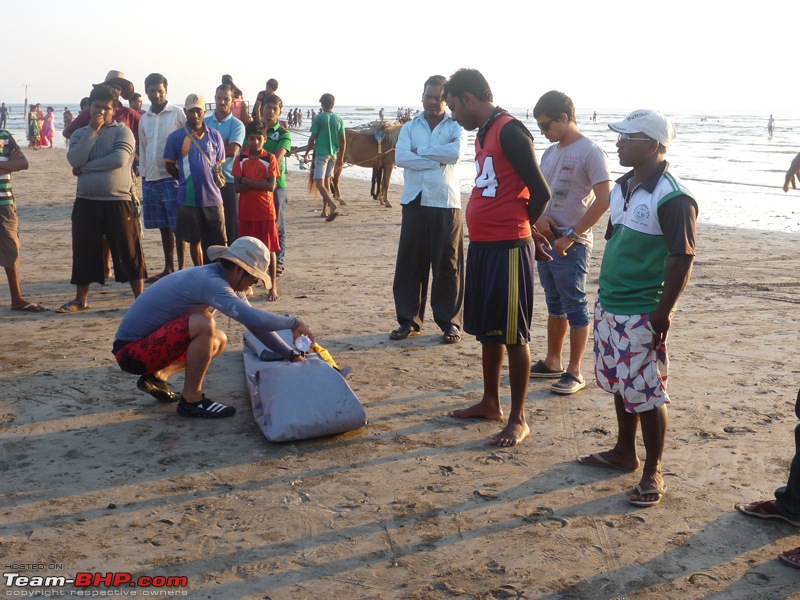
column 564, row 283
column 787, row 498
column 281, row 199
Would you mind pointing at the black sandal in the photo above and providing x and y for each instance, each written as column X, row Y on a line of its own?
column 451, row 335
column 403, row 332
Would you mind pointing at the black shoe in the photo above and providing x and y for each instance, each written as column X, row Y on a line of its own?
column 205, row 409
column 158, row 389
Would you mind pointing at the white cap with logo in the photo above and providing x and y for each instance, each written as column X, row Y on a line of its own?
column 649, row 122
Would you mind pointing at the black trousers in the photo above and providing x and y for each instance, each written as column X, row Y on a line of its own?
column 788, row 496
column 431, row 240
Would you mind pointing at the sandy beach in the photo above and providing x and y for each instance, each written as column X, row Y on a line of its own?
column 98, row 477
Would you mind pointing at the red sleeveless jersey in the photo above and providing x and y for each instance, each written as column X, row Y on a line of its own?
column 498, row 206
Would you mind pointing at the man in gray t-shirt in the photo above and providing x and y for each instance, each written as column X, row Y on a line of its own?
column 101, row 155
column 577, row 171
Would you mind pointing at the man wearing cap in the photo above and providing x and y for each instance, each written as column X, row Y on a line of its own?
column 232, row 131
column 190, row 155
column 172, row 327
column 159, row 189
column 116, row 81
column 646, row 266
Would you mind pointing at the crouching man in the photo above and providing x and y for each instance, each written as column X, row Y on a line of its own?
column 171, row 328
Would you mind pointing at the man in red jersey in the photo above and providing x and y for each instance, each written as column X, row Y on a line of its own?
column 510, row 194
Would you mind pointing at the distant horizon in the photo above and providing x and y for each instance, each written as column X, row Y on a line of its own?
column 795, row 113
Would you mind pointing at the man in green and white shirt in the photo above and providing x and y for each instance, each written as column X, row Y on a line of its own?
column 646, row 266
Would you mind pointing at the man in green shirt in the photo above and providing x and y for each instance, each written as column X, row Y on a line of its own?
column 327, row 138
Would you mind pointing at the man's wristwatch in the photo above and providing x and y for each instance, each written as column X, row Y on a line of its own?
column 570, row 233
column 295, row 355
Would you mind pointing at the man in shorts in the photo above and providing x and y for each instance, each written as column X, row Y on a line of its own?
column 159, row 189
column 189, row 156
column 577, row 171
column 510, row 194
column 172, row 327
column 646, row 265
column 328, row 140
column 101, row 155
column 11, row 160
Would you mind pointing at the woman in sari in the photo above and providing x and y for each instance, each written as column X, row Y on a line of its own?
column 33, row 128
column 48, row 129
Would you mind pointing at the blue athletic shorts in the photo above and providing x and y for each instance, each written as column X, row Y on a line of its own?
column 498, row 299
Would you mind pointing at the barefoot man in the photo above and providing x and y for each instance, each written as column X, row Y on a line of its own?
column 510, row 194
column 646, row 266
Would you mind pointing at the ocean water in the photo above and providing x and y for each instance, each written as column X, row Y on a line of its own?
column 729, row 162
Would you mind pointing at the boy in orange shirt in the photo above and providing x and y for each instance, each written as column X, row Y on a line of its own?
column 254, row 173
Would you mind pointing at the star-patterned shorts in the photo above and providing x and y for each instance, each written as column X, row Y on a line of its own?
column 626, row 361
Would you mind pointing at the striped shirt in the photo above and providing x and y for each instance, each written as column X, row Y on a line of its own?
column 8, row 146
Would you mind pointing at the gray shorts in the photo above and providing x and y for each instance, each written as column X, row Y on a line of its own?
column 323, row 166
column 9, row 236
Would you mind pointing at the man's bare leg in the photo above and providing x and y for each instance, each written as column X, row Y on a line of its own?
column 205, row 342
column 654, row 432
column 623, row 454
column 519, row 369
column 489, row 406
column 578, row 339
column 17, row 301
column 168, row 244
column 196, row 252
column 137, row 285
column 556, row 335
column 180, row 250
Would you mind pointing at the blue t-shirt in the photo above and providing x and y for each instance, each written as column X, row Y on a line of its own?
column 195, row 289
column 196, row 185
column 232, row 131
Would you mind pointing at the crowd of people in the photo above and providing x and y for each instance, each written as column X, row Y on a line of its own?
column 217, row 186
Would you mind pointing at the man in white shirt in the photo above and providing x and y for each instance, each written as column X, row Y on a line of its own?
column 159, row 189
column 431, row 233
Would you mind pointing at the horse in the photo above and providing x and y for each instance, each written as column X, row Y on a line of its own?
column 364, row 150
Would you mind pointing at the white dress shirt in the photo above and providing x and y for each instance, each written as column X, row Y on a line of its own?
column 429, row 159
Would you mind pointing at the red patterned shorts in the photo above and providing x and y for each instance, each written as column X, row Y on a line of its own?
column 163, row 347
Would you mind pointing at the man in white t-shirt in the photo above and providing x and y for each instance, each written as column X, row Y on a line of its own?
column 159, row 189
column 577, row 171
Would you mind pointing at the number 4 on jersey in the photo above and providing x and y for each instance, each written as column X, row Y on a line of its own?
column 486, row 178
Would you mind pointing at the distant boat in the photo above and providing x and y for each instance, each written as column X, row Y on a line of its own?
column 365, row 109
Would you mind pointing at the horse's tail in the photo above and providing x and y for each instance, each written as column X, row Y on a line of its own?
column 312, row 189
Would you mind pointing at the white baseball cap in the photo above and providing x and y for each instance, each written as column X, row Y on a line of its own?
column 649, row 122
column 249, row 253
column 194, row 101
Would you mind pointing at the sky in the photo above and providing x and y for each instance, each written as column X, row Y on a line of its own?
column 615, row 55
